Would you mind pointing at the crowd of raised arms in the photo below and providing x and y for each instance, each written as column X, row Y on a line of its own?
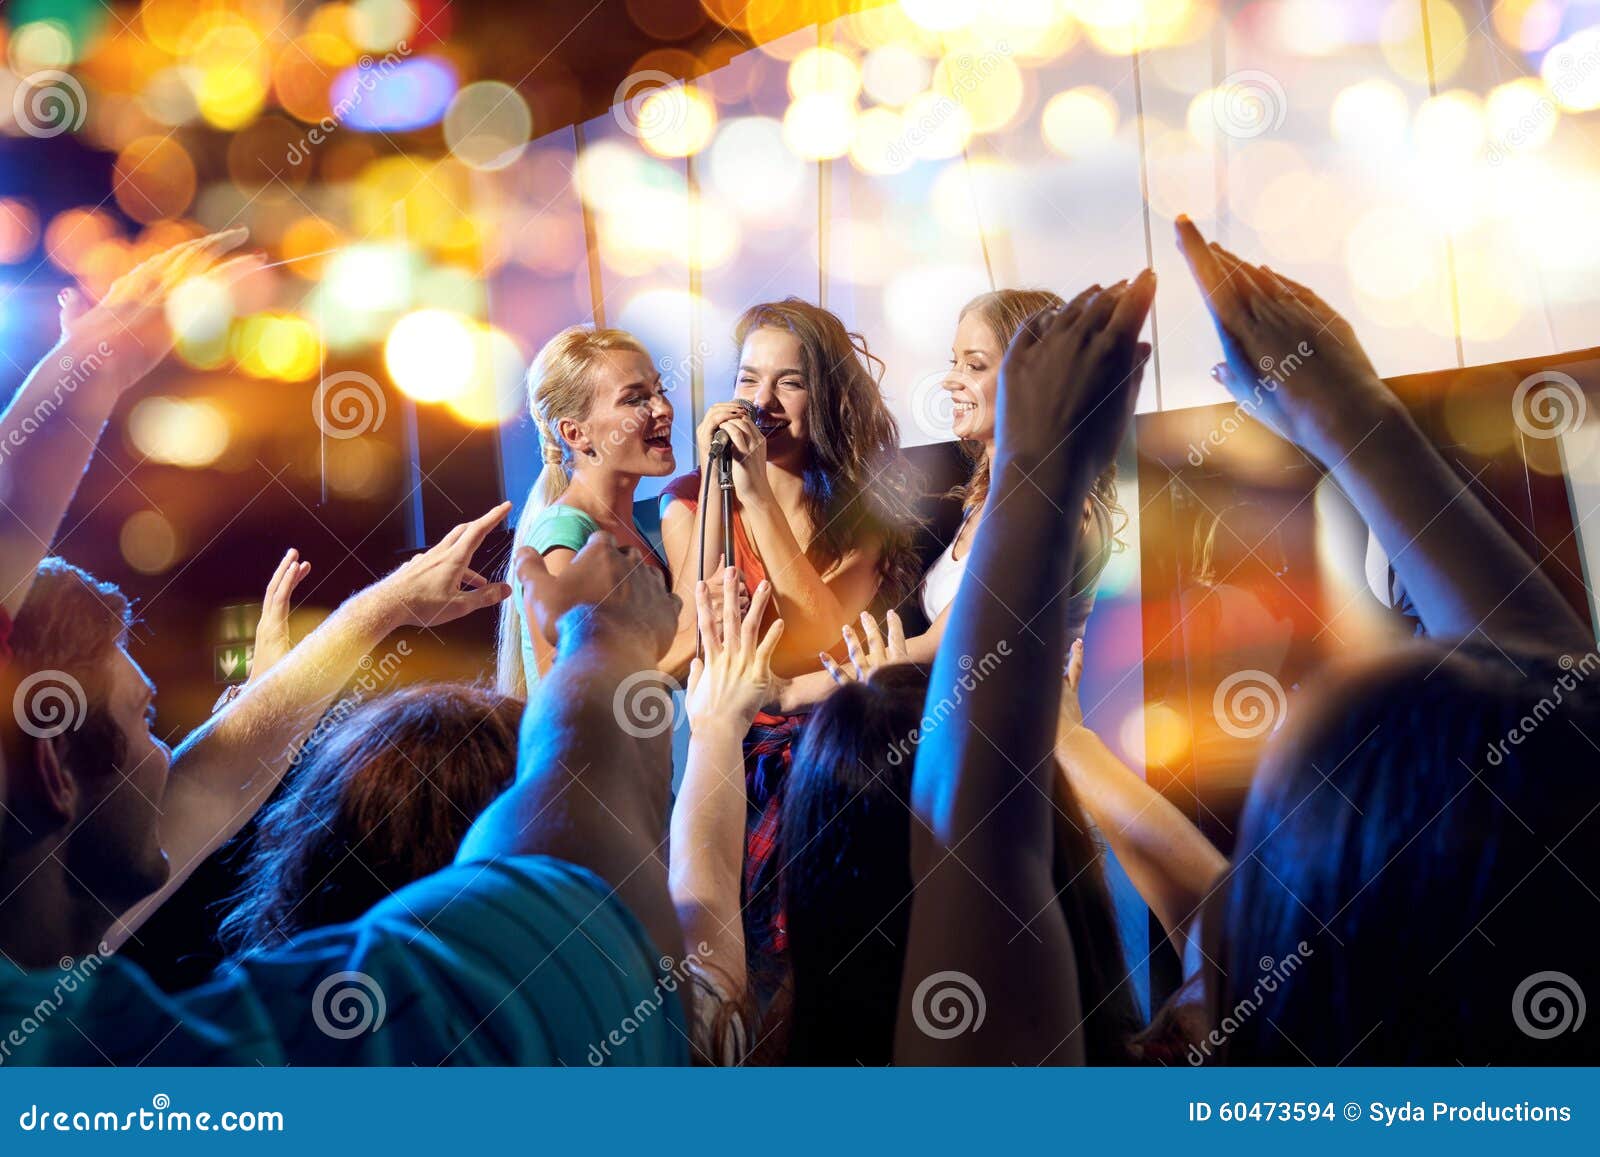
column 505, row 870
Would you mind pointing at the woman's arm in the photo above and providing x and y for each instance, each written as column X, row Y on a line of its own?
column 556, row 560
column 817, row 607
column 983, row 845
column 49, row 432
column 708, row 818
column 1171, row 864
column 805, row 691
column 679, row 532
column 1464, row 573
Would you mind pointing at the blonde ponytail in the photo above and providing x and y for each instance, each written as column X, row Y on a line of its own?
column 559, row 388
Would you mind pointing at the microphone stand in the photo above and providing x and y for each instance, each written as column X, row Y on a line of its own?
column 725, row 482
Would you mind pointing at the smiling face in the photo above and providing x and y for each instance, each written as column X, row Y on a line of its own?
column 772, row 377
column 974, row 378
column 629, row 426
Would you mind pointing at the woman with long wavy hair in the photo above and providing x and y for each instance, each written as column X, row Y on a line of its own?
column 822, row 512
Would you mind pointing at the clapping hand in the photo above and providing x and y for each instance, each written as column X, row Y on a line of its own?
column 880, row 649
column 128, row 327
column 272, row 629
column 1068, row 386
column 617, row 591
column 1291, row 360
column 729, row 685
column 439, row 585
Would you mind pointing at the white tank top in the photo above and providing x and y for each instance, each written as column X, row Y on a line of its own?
column 943, row 579
column 940, row 584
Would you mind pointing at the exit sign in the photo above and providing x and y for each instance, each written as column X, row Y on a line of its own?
column 231, row 662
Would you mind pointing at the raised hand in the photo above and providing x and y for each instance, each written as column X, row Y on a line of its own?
column 1071, row 704
column 439, row 585
column 272, row 629
column 749, row 459
column 1068, row 385
column 880, row 649
column 131, row 319
column 718, row 586
column 615, row 590
column 730, row 684
column 1291, row 359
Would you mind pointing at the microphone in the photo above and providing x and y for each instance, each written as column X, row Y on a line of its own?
column 720, row 442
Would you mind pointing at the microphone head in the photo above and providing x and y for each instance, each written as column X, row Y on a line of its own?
column 720, row 441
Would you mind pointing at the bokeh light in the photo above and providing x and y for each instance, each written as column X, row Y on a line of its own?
column 895, row 73
column 1450, row 126
column 431, row 354
column 677, row 120
column 1371, row 113
column 153, row 179
column 1571, row 71
column 1405, row 40
column 1520, row 114
column 148, row 542
column 487, row 124
column 178, row 431
column 1079, row 120
column 819, row 126
column 19, row 230
column 824, row 70
column 988, row 87
column 749, row 167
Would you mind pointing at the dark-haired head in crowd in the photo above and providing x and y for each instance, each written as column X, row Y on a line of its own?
column 85, row 777
column 381, row 799
column 1421, row 841
column 845, row 843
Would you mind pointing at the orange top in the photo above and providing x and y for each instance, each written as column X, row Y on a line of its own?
column 686, row 489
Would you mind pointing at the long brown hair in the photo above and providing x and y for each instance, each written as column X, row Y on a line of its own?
column 382, row 798
column 857, row 485
column 844, row 839
column 1006, row 311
